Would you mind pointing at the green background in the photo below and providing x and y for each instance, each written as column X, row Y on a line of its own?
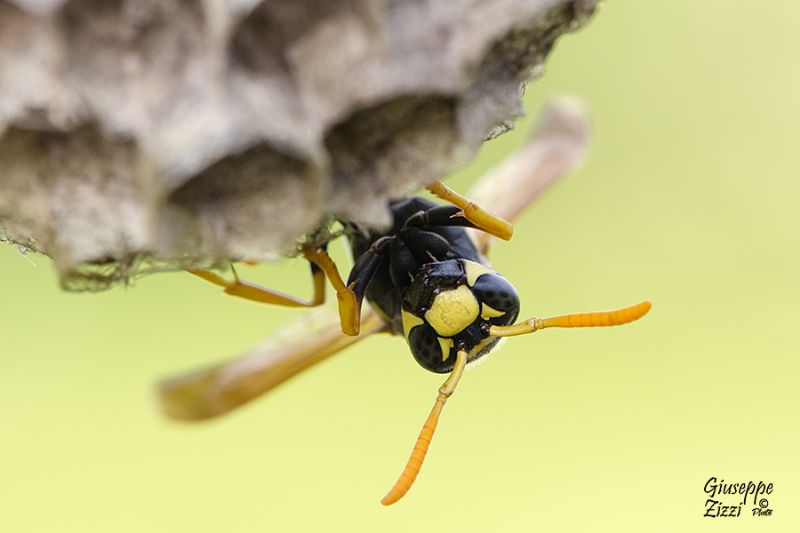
column 689, row 197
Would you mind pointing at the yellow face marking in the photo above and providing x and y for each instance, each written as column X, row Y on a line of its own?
column 474, row 271
column 410, row 321
column 445, row 345
column 488, row 312
column 452, row 311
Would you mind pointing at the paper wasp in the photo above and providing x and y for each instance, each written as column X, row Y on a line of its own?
column 426, row 278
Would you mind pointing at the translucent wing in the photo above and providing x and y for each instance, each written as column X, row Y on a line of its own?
column 214, row 391
column 556, row 147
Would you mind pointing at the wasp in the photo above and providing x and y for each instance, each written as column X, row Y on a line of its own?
column 426, row 278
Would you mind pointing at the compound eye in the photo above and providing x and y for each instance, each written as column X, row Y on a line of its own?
column 429, row 349
column 496, row 292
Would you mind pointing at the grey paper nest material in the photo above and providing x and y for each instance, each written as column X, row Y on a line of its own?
column 164, row 134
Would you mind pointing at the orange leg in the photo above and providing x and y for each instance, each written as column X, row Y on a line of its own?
column 481, row 218
column 321, row 266
column 257, row 293
column 349, row 305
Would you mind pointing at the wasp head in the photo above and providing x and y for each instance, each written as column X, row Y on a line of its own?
column 450, row 306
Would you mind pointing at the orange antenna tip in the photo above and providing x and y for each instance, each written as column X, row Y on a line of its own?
column 414, row 463
column 616, row 317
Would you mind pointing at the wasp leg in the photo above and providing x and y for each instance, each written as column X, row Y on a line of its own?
column 349, row 302
column 257, row 293
column 414, row 463
column 481, row 218
column 361, row 274
column 557, row 146
column 441, row 215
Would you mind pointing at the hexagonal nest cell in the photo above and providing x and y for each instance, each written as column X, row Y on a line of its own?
column 147, row 135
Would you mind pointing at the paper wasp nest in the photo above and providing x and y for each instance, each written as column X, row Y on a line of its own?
column 144, row 134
